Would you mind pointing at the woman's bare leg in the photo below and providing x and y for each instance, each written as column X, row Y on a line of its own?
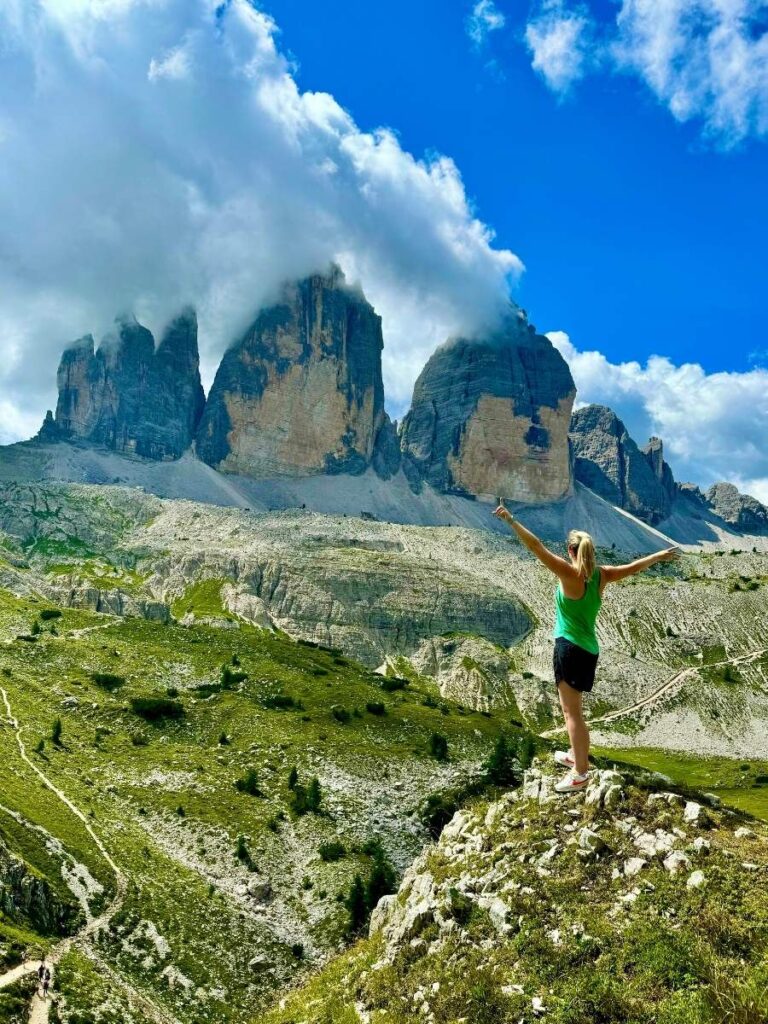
column 578, row 733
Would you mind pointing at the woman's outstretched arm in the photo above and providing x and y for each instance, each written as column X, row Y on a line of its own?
column 559, row 566
column 614, row 573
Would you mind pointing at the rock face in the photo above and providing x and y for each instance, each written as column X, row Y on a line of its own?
column 302, row 391
column 608, row 461
column 27, row 898
column 129, row 397
column 491, row 417
column 747, row 514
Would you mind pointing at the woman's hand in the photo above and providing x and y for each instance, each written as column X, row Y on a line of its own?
column 670, row 555
column 503, row 513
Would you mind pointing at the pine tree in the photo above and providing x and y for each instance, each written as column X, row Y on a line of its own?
column 356, row 906
column 293, row 777
column 56, row 731
column 314, row 795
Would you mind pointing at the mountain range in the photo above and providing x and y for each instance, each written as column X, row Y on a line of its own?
column 299, row 399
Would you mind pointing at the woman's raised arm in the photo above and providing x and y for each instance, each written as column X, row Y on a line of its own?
column 562, row 568
column 614, row 573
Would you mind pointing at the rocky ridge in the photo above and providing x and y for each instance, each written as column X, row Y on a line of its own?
column 129, row 396
column 610, row 463
column 604, row 906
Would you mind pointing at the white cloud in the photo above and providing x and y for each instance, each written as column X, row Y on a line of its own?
column 158, row 152
column 703, row 59
column 714, row 425
column 559, row 41
column 484, row 19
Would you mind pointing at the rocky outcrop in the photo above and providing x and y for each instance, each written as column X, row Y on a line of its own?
column 469, row 670
column 27, row 898
column 302, row 391
column 128, row 396
column 490, row 417
column 744, row 512
column 608, row 461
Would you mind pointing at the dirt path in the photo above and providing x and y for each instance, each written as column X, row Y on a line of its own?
column 674, row 682
column 40, row 1008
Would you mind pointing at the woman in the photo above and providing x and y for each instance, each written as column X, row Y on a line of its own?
column 577, row 603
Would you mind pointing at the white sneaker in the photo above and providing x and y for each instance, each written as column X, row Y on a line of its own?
column 564, row 759
column 572, row 783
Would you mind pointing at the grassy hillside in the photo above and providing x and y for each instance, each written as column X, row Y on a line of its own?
column 178, row 744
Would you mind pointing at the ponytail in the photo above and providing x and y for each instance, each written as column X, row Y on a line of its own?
column 586, row 562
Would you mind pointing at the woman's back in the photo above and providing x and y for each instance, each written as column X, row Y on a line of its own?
column 575, row 618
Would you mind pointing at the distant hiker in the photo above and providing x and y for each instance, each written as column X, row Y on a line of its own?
column 41, row 970
column 46, row 983
column 577, row 602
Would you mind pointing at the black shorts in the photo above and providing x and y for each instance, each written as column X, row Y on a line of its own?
column 573, row 665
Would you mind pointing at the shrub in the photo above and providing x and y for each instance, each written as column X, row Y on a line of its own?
column 50, row 613
column 154, row 708
column 36, row 628
column 279, row 702
column 375, row 707
column 242, row 852
column 340, row 714
column 40, row 746
column 526, row 750
column 333, row 851
column 298, row 950
column 527, row 675
column 438, row 746
column 501, row 768
column 249, row 783
column 392, row 683
column 224, row 740
column 56, row 730
column 230, row 677
column 172, row 691
column 293, row 777
column 138, row 739
column 107, row 680
column 181, row 812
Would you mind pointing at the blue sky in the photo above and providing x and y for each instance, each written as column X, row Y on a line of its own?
column 638, row 237
column 191, row 151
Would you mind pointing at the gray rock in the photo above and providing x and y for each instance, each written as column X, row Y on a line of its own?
column 744, row 512
column 129, row 397
column 301, row 392
column 676, row 861
column 609, row 462
column 490, row 416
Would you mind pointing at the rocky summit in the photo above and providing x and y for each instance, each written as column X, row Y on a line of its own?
column 609, row 462
column 302, row 391
column 490, row 416
column 128, row 396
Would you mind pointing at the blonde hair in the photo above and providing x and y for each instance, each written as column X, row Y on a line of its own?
column 586, row 562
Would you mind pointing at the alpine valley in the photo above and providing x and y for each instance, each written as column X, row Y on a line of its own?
column 277, row 704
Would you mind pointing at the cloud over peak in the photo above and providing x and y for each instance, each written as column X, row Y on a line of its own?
column 158, row 154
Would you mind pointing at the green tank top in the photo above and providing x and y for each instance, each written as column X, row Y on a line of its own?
column 575, row 619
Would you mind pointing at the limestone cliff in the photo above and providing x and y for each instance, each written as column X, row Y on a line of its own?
column 608, row 461
column 128, row 396
column 744, row 512
column 302, row 391
column 490, row 416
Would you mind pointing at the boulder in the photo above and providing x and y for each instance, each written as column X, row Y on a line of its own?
column 490, row 417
